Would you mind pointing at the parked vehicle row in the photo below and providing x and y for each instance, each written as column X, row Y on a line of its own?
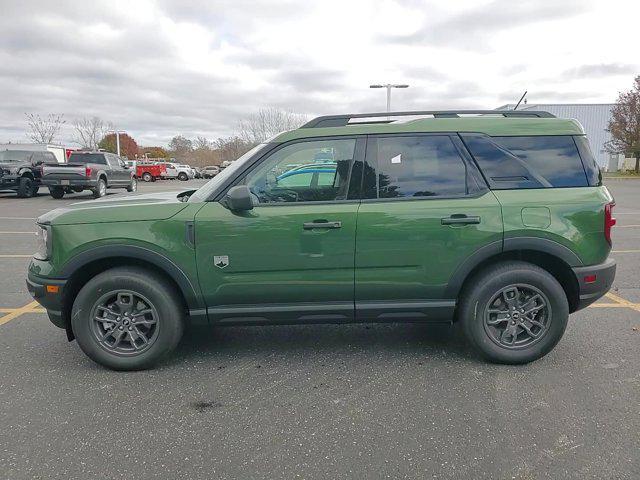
column 25, row 171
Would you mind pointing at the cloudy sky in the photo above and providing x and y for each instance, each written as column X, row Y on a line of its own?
column 157, row 68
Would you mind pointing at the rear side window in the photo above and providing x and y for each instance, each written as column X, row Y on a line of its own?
column 591, row 167
column 502, row 169
column 555, row 158
column 414, row 167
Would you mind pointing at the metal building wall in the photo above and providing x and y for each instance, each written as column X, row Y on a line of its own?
column 594, row 117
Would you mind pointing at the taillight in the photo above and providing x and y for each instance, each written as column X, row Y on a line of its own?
column 609, row 220
column 87, row 171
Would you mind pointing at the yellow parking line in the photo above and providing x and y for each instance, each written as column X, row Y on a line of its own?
column 28, row 308
column 626, row 303
column 608, row 305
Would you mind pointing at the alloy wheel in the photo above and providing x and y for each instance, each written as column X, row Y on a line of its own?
column 517, row 316
column 124, row 322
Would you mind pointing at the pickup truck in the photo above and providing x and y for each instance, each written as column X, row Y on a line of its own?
column 21, row 170
column 95, row 171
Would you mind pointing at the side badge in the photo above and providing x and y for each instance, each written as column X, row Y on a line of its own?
column 221, row 261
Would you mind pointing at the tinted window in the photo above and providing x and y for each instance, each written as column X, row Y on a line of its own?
column 49, row 157
column 87, row 158
column 555, row 158
column 420, row 166
column 502, row 169
column 15, row 156
column 304, row 172
column 591, row 167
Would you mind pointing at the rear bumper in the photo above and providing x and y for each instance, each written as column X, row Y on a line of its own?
column 52, row 302
column 71, row 182
column 591, row 289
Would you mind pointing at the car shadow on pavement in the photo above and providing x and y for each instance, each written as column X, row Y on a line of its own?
column 390, row 340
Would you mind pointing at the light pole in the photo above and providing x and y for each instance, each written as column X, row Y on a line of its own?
column 389, row 86
column 117, row 133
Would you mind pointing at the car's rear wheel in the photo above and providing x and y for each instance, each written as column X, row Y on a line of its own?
column 26, row 187
column 513, row 312
column 133, row 186
column 56, row 192
column 127, row 318
column 101, row 189
column 147, row 177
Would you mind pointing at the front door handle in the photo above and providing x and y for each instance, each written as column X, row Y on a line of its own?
column 321, row 224
column 460, row 219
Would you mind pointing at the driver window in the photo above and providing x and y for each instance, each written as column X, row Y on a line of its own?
column 304, row 172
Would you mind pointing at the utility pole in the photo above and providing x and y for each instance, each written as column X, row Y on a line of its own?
column 389, row 86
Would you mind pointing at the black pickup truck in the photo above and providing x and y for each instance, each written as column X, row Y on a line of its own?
column 21, row 170
column 95, row 171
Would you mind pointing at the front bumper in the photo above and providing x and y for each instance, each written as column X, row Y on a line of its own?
column 594, row 281
column 50, row 300
column 9, row 182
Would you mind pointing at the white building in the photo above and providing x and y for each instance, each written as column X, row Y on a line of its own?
column 594, row 117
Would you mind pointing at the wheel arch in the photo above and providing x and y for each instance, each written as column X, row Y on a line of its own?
column 91, row 262
column 546, row 254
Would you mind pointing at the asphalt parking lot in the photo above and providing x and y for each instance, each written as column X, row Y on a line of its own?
column 378, row 401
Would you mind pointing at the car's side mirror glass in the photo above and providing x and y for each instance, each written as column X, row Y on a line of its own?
column 238, row 199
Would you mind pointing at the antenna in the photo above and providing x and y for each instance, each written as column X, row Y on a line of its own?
column 521, row 98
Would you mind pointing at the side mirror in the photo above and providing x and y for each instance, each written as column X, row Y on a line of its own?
column 238, row 199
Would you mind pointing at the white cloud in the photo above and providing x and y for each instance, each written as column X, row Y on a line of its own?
column 160, row 68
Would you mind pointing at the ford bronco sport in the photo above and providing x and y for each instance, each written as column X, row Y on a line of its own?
column 496, row 220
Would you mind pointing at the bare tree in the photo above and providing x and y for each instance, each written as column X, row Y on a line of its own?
column 624, row 125
column 88, row 132
column 201, row 143
column 44, row 130
column 232, row 148
column 267, row 122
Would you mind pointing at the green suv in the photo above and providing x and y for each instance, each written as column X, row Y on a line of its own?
column 496, row 220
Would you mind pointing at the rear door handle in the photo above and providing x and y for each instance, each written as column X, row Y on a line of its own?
column 460, row 219
column 321, row 224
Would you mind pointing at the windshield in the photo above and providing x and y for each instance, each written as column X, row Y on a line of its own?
column 208, row 188
column 15, row 156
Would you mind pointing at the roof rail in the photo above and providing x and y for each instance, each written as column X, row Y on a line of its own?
column 343, row 120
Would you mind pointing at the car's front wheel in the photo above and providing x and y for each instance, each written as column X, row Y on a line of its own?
column 26, row 187
column 147, row 177
column 183, row 176
column 513, row 312
column 127, row 318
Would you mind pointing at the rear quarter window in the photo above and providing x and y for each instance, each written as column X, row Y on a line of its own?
column 555, row 158
column 520, row 162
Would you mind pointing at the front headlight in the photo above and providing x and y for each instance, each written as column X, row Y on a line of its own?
column 44, row 242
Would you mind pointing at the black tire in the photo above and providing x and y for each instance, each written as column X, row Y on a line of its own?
column 147, row 177
column 183, row 176
column 26, row 187
column 101, row 189
column 505, row 287
column 56, row 192
column 133, row 186
column 161, row 299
